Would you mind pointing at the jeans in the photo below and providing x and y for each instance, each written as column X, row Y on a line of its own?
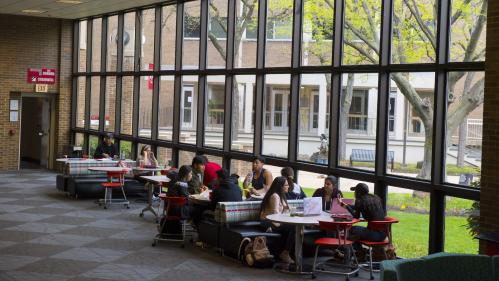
column 364, row 233
column 287, row 232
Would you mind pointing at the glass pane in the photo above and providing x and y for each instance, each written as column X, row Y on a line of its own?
column 361, row 32
column 464, row 127
column 93, row 143
column 358, row 115
column 79, row 140
column 412, row 208
column 279, row 33
column 214, row 111
column 192, row 31
column 96, row 44
column 414, row 31
column 145, row 107
column 243, row 113
column 309, row 182
column 110, row 103
column 168, row 33
column 188, row 109
column 129, row 42
column 164, row 157
column 127, row 105
column 82, row 50
column 185, row 158
column 461, row 225
column 246, row 33
column 468, row 29
column 80, row 102
column 240, row 168
column 317, row 32
column 276, row 105
column 112, row 43
column 126, row 149
column 94, row 102
column 147, row 54
column 410, row 144
column 165, row 116
column 217, row 33
column 313, row 121
column 215, row 159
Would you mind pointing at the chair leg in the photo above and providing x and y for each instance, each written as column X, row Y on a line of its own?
column 371, row 263
column 315, row 258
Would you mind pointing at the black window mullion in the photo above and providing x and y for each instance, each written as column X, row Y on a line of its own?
column 76, row 59
column 88, row 78
column 229, row 80
column 136, row 78
column 202, row 81
column 157, row 79
column 260, row 78
column 121, row 28
column 103, row 58
column 295, row 83
column 231, row 29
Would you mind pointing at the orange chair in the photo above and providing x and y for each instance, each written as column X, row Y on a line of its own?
column 112, row 184
column 172, row 211
column 340, row 229
column 383, row 226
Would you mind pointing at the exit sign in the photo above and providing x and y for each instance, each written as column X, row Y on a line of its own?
column 41, row 88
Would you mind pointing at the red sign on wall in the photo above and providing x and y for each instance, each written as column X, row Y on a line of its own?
column 41, row 76
column 150, row 80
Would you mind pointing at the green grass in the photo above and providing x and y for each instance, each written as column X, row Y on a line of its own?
column 413, row 169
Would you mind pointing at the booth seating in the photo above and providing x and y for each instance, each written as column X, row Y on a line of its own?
column 442, row 266
column 234, row 221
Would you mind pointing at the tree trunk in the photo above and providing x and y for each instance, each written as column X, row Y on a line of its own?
column 345, row 103
column 461, row 145
column 425, row 172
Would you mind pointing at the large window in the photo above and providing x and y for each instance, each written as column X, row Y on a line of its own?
column 376, row 95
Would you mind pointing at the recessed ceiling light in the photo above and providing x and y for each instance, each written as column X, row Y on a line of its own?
column 29, row 11
column 74, row 2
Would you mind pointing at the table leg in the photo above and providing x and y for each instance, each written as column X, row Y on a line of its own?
column 149, row 207
column 298, row 247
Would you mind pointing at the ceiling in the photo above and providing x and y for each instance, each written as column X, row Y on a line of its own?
column 71, row 10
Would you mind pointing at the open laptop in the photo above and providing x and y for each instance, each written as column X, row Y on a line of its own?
column 338, row 211
column 312, row 206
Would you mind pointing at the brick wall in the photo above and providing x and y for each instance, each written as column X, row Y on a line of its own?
column 33, row 42
column 489, row 196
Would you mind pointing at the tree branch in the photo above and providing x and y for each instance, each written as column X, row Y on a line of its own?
column 415, row 12
column 361, row 36
column 372, row 25
column 458, row 13
column 424, row 111
column 476, row 32
column 361, row 51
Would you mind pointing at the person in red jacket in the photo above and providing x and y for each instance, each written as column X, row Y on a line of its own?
column 210, row 172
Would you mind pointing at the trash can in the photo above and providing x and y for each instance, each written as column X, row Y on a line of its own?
column 491, row 242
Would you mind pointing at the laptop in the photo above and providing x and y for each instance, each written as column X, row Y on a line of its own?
column 312, row 206
column 337, row 210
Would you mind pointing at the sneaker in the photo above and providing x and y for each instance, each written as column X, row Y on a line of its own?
column 284, row 257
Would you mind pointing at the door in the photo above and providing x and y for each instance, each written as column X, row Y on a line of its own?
column 279, row 116
column 187, row 106
column 44, row 133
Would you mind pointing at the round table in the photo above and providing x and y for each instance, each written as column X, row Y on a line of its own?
column 300, row 223
column 152, row 180
column 138, row 169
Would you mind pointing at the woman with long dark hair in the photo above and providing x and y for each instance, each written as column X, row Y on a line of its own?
column 275, row 202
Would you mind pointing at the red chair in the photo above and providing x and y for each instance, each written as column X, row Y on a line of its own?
column 115, row 180
column 340, row 229
column 383, row 226
column 172, row 211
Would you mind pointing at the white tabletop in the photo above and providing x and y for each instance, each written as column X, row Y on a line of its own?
column 308, row 220
column 156, row 179
column 138, row 169
column 108, row 169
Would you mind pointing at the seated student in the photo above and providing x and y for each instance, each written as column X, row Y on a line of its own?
column 328, row 192
column 106, row 149
column 146, row 157
column 178, row 188
column 196, row 183
column 295, row 191
column 275, row 202
column 226, row 191
column 210, row 172
column 371, row 209
column 259, row 178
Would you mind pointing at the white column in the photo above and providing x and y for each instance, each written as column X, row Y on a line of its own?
column 248, row 105
column 372, row 111
column 399, row 115
column 322, row 107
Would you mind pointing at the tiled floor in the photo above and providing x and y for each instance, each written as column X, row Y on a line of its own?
column 45, row 235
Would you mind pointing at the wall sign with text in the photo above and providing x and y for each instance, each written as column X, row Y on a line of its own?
column 41, row 76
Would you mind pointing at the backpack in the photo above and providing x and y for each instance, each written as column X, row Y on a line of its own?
column 256, row 253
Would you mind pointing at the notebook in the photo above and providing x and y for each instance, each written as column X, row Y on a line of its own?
column 312, row 206
column 338, row 210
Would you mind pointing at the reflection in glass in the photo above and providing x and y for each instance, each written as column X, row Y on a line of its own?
column 214, row 111
column 80, row 102
column 168, row 32
column 188, row 109
column 112, row 43
column 361, row 30
column 192, row 31
column 82, row 50
column 245, row 33
column 147, row 52
column 313, row 121
column 468, row 29
column 145, row 106
column 358, row 116
column 276, row 105
column 165, row 114
column 414, row 31
column 94, row 102
column 279, row 33
column 110, row 103
column 127, row 105
column 317, row 32
column 243, row 113
column 129, row 42
column 410, row 144
column 464, row 127
column 96, row 44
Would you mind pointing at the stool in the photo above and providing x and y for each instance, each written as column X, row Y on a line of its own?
column 110, row 185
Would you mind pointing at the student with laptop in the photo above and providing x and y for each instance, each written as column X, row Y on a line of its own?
column 328, row 192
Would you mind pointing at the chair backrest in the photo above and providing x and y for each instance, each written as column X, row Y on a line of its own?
column 165, row 172
column 120, row 175
column 340, row 228
column 383, row 226
column 176, row 201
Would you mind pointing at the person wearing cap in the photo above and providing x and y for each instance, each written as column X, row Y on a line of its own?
column 227, row 190
column 106, row 149
column 371, row 209
column 328, row 192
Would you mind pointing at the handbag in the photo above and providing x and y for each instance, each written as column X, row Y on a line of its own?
column 256, row 253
